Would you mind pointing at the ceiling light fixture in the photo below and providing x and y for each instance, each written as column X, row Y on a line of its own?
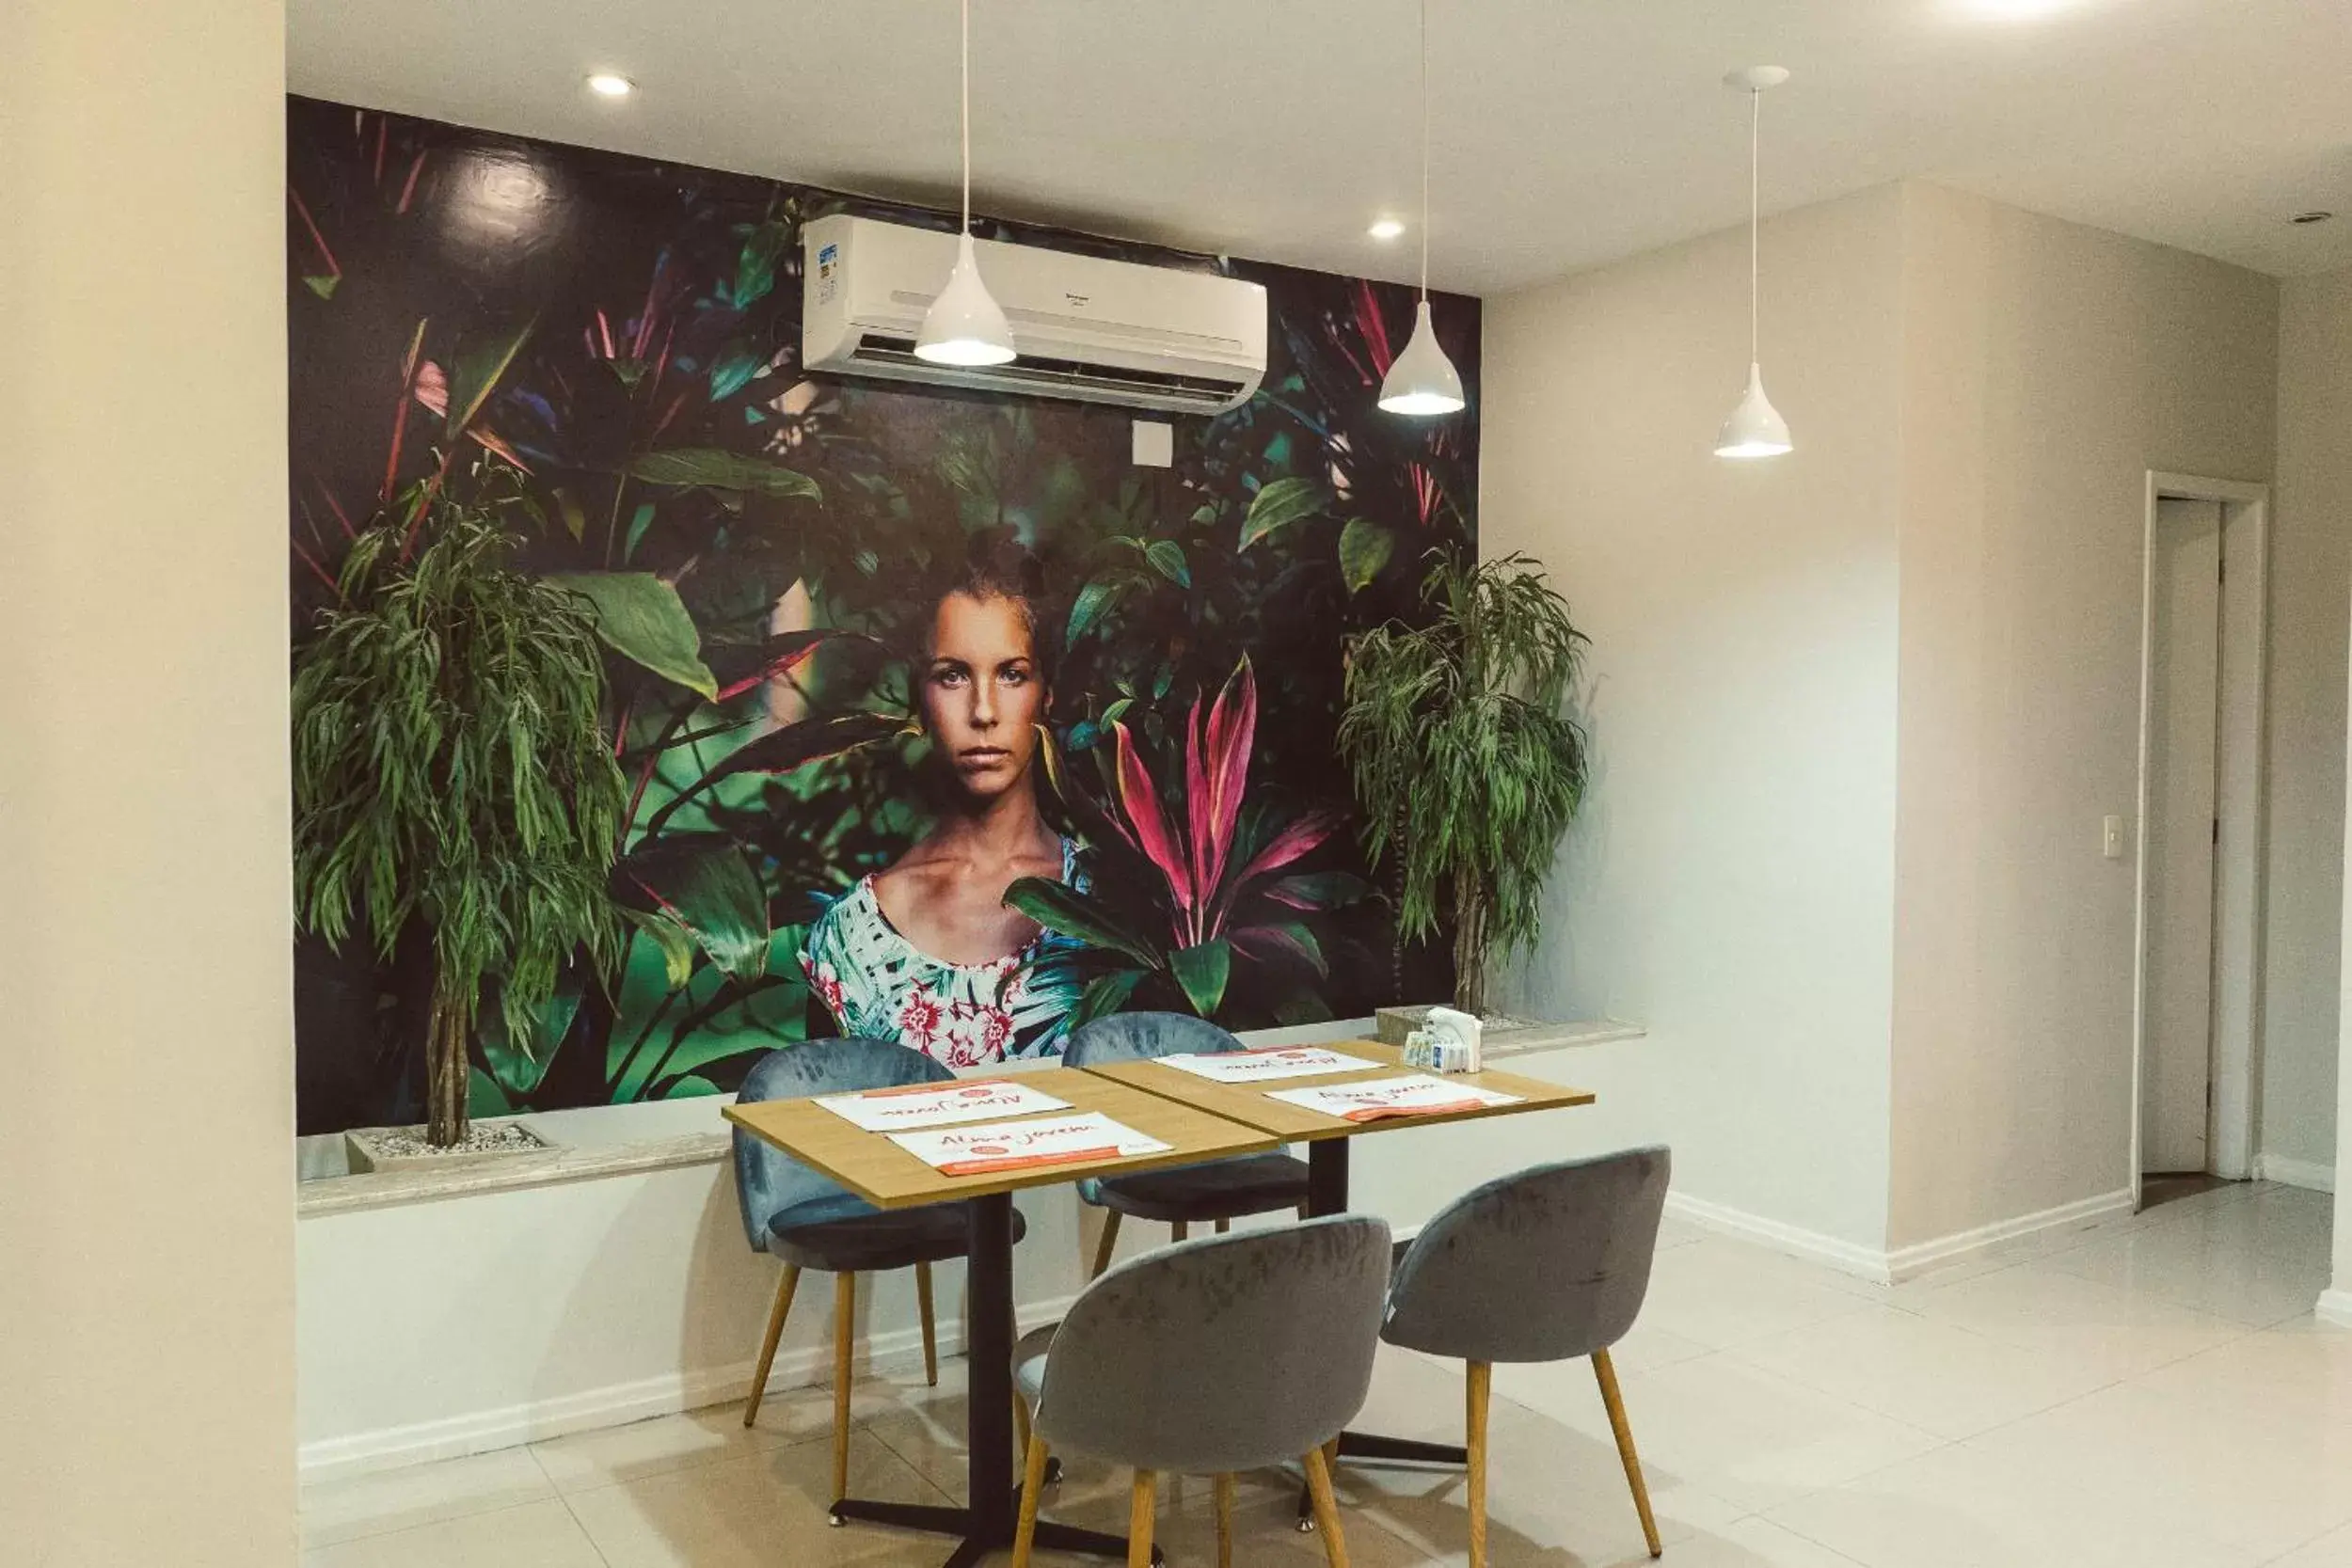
column 605, row 84
column 1386, row 229
column 1423, row 382
column 965, row 326
column 1754, row 429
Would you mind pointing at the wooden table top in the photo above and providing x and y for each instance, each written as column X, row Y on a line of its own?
column 1251, row 1105
column 886, row 1175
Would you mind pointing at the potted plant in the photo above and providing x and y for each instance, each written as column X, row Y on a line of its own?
column 451, row 769
column 1465, row 760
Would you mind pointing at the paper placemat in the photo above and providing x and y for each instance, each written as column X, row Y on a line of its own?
column 1266, row 1064
column 1416, row 1094
column 938, row 1104
column 1018, row 1145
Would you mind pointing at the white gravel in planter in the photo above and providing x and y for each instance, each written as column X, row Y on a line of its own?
column 408, row 1143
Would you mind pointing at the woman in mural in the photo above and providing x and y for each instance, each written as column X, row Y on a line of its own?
column 927, row 953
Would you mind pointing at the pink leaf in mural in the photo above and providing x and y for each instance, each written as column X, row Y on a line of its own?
column 1196, row 800
column 1288, row 846
column 431, row 388
column 491, row 442
column 1139, row 801
column 1232, row 735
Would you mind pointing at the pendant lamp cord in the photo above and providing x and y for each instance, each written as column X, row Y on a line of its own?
column 967, row 118
column 1424, row 150
column 1756, row 144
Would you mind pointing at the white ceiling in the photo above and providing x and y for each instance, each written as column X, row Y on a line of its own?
column 1566, row 131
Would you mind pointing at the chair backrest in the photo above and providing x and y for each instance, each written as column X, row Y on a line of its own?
column 1130, row 1037
column 767, row 1181
column 1226, row 1354
column 1546, row 1264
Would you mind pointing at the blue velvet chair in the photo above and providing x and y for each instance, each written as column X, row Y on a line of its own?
column 1224, row 1355
column 810, row 1221
column 1218, row 1190
column 1547, row 1264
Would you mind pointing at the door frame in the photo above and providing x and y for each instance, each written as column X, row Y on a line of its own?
column 2240, row 806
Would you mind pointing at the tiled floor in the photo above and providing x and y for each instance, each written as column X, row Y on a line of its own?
column 2153, row 1393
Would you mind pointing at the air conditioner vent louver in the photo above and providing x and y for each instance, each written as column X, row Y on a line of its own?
column 1094, row 330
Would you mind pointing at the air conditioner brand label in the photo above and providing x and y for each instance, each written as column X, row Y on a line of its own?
column 828, row 271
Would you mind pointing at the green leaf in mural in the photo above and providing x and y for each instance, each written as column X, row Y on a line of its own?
column 1277, row 505
column 484, row 1098
column 1168, row 558
column 1202, row 972
column 1288, row 936
column 732, row 370
column 640, row 520
column 1319, row 889
column 755, row 269
column 676, row 942
column 783, row 750
column 1364, row 548
column 1058, row 907
column 715, row 469
column 1094, row 598
column 706, row 885
column 478, row 370
column 690, row 1087
column 644, row 621
column 323, row 284
column 518, row 1063
column 574, row 519
column 1105, row 994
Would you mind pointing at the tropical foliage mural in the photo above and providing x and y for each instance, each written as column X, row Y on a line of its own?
column 614, row 344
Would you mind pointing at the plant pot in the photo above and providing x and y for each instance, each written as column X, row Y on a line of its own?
column 402, row 1149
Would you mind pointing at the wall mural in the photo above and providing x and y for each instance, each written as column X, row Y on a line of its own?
column 847, row 616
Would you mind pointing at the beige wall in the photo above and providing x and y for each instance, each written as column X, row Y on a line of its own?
column 146, row 1225
column 1729, row 883
column 2048, row 368
column 2311, row 585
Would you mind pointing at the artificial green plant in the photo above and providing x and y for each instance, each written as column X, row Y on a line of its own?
column 451, row 769
column 1469, row 768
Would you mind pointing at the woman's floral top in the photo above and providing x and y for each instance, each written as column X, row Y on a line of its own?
column 881, row 986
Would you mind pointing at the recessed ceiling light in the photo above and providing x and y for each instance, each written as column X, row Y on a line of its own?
column 1385, row 229
column 604, row 84
column 2313, row 216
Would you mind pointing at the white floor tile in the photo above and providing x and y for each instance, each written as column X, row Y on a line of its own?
column 2112, row 1332
column 651, row 1448
column 531, row 1535
column 1716, row 1292
column 2256, row 1261
column 2331, row 1550
column 1922, row 1372
column 419, row 1495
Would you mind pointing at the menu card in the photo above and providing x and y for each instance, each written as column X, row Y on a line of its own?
column 1266, row 1064
column 1416, row 1094
column 938, row 1104
column 1018, row 1145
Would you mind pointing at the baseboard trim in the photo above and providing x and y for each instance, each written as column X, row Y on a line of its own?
column 2335, row 1307
column 619, row 1403
column 1890, row 1267
column 2294, row 1173
column 1812, row 1245
column 1917, row 1258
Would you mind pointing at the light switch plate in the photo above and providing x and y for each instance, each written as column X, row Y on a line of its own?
column 2111, row 837
column 1154, row 444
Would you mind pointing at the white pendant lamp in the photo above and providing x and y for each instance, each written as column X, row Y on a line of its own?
column 1423, row 382
column 1756, row 428
column 965, row 326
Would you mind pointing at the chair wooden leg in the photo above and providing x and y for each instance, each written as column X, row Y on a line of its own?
column 1020, row 1422
column 1139, row 1506
column 1178, row 1231
column 1326, row 1509
column 1607, row 1372
column 1108, row 1244
column 785, row 1287
column 931, row 1326
column 1032, row 1483
column 1480, row 1381
column 1224, row 1521
column 844, row 1343
column 1223, row 1226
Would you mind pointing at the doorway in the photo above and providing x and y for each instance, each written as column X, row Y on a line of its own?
column 2195, row 1020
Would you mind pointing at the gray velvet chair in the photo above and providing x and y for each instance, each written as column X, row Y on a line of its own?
column 810, row 1221
column 1228, row 1354
column 1544, row 1265
column 1218, row 1190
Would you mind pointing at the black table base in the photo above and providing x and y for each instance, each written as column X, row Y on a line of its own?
column 987, row 1525
column 1327, row 1193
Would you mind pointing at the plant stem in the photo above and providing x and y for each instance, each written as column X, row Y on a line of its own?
column 447, row 1027
column 1470, row 942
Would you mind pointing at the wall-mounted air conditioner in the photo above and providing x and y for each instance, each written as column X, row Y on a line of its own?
column 1098, row 332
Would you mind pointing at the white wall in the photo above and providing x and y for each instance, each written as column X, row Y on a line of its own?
column 2310, row 596
column 1729, row 883
column 146, row 1139
column 2048, row 368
